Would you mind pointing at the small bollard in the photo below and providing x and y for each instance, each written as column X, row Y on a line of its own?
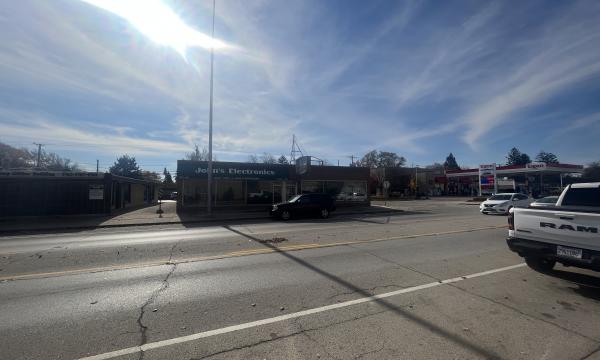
column 160, row 210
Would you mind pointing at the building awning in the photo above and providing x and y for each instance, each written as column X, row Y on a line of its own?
column 532, row 168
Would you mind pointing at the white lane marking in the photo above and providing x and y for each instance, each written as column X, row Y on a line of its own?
column 228, row 329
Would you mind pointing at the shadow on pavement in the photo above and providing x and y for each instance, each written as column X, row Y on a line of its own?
column 26, row 225
column 586, row 285
column 485, row 353
column 76, row 224
column 372, row 218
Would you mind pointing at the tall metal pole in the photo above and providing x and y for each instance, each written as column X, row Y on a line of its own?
column 416, row 180
column 39, row 153
column 210, row 118
column 561, row 182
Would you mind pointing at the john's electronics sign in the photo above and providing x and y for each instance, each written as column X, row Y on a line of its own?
column 224, row 170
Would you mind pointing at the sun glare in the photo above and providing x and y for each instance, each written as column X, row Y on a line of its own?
column 159, row 23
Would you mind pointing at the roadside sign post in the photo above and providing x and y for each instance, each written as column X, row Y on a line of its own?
column 302, row 168
column 487, row 177
column 160, row 210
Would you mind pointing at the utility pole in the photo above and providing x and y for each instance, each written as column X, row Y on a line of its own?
column 416, row 180
column 97, row 166
column 39, row 153
column 351, row 160
column 210, row 117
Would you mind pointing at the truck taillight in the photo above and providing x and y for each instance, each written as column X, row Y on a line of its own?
column 511, row 220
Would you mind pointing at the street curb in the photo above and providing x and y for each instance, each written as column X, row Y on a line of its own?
column 107, row 226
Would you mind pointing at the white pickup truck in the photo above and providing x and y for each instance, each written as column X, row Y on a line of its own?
column 568, row 232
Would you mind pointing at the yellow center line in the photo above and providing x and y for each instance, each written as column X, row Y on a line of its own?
column 246, row 252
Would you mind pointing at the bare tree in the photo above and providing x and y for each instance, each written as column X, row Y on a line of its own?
column 268, row 158
column 253, row 158
column 375, row 159
column 199, row 155
column 546, row 157
column 11, row 157
column 151, row 176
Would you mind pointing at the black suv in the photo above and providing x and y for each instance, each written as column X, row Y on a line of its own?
column 304, row 205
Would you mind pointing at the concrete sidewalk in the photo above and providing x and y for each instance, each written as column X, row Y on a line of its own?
column 147, row 216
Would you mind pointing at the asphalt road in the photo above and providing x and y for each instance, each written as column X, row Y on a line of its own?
column 435, row 282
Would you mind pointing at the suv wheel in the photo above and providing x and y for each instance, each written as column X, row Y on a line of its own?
column 286, row 215
column 324, row 213
column 540, row 264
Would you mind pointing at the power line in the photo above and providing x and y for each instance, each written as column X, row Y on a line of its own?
column 351, row 157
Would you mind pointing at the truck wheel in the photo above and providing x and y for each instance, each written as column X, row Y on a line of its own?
column 540, row 264
column 286, row 215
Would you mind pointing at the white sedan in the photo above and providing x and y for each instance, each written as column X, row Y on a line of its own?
column 502, row 203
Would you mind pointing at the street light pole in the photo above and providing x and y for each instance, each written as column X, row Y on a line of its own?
column 210, row 117
column 416, row 181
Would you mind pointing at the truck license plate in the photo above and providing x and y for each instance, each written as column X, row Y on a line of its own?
column 568, row 252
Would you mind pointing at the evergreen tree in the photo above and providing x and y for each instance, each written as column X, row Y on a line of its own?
column 450, row 163
column 126, row 166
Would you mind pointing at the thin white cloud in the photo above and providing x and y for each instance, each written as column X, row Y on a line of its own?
column 35, row 127
column 565, row 55
column 574, row 124
column 584, row 122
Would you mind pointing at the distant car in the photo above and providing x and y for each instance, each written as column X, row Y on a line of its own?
column 260, row 197
column 351, row 196
column 502, row 203
column 356, row 196
column 168, row 195
column 304, row 205
column 547, row 201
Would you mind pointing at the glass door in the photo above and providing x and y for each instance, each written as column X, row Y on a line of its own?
column 276, row 193
column 291, row 190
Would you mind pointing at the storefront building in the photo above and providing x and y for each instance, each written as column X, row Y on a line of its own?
column 40, row 193
column 248, row 184
column 535, row 179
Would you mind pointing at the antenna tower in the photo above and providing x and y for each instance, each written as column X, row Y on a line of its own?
column 296, row 150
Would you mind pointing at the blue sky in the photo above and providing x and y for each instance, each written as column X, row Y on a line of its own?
column 418, row 78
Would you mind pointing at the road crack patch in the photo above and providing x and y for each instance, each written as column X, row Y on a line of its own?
column 396, row 264
column 594, row 352
column 143, row 329
column 372, row 352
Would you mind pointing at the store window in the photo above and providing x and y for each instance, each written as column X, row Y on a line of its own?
column 259, row 192
column 194, row 192
column 310, row 187
column 334, row 188
column 230, row 192
column 353, row 191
